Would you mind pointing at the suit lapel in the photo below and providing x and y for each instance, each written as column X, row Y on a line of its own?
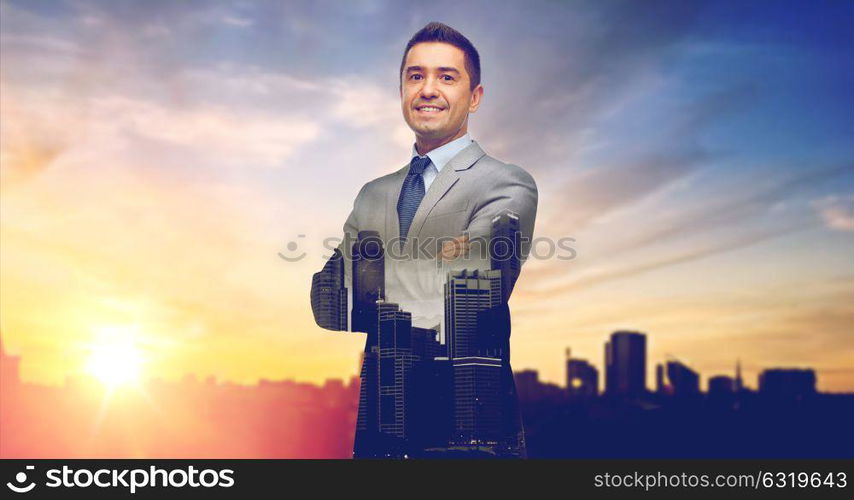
column 446, row 179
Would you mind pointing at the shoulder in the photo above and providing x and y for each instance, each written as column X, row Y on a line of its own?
column 381, row 184
column 493, row 170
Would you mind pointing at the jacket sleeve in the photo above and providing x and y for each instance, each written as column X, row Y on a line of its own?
column 513, row 191
column 327, row 301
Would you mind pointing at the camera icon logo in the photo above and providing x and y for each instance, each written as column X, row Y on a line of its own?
column 292, row 246
column 21, row 478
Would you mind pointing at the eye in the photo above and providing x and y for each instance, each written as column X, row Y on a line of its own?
column 415, row 76
column 448, row 78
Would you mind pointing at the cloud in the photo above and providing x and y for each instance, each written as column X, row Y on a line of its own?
column 239, row 22
column 218, row 134
column 557, row 91
column 612, row 273
column 207, row 134
column 30, row 138
column 733, row 209
column 837, row 212
column 40, row 43
column 595, row 192
column 636, row 171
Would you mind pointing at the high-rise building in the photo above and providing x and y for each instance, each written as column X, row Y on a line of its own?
column 367, row 443
column 739, row 382
column 493, row 333
column 328, row 294
column 430, row 423
column 625, row 364
column 426, row 345
column 466, row 294
column 582, row 378
column 476, row 336
column 683, row 380
column 478, row 414
column 721, row 385
column 396, row 362
column 407, row 392
column 661, row 386
column 790, row 383
column 527, row 382
column 505, row 250
column 433, row 418
column 368, row 282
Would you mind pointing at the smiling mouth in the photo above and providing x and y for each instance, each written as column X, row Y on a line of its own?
column 429, row 109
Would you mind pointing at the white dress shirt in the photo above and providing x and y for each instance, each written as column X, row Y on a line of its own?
column 417, row 285
column 440, row 157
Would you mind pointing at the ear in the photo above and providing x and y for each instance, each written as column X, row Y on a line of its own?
column 476, row 95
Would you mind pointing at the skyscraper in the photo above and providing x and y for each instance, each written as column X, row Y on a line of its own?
column 475, row 355
column 683, row 380
column 721, row 386
column 787, row 383
column 661, row 386
column 396, row 361
column 430, row 423
column 625, row 364
column 368, row 283
column 478, row 415
column 328, row 294
column 739, row 382
column 466, row 294
column 582, row 378
column 367, row 439
column 505, row 250
column 528, row 384
column 425, row 343
column 406, row 396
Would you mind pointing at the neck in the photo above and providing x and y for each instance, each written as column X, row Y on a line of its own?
column 424, row 145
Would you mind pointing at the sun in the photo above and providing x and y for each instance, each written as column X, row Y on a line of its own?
column 114, row 358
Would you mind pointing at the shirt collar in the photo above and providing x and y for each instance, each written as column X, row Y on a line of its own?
column 442, row 155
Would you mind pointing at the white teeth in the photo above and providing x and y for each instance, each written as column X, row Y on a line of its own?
column 429, row 108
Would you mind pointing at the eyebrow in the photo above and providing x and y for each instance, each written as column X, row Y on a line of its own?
column 442, row 69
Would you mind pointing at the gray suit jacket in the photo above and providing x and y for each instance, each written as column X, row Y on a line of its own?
column 467, row 194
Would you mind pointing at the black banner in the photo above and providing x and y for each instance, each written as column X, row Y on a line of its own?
column 301, row 478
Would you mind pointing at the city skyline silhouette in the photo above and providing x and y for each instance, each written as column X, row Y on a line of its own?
column 205, row 418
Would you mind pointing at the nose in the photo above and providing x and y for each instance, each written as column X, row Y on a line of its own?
column 428, row 90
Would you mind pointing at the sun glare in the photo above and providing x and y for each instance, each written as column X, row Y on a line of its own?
column 115, row 359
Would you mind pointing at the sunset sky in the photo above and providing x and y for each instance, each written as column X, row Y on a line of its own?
column 156, row 156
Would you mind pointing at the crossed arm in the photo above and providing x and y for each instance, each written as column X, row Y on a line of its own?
column 514, row 191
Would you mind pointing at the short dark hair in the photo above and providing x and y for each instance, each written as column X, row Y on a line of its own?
column 439, row 32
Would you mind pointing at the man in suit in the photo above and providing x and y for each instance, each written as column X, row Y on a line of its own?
column 434, row 214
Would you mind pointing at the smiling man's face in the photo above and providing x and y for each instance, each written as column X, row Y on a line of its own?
column 435, row 94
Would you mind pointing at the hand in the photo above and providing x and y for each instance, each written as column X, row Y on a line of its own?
column 455, row 248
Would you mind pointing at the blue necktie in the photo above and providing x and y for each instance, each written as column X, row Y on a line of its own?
column 411, row 194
